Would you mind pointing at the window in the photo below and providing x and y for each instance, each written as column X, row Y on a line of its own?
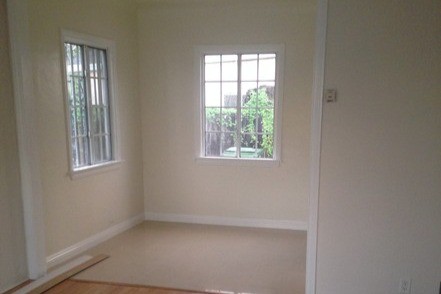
column 240, row 103
column 89, row 103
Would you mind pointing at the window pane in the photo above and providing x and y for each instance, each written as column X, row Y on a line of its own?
column 107, row 128
column 229, row 67
column 100, row 122
column 265, row 123
column 267, row 67
column 107, row 152
column 102, row 63
column 98, row 76
column 88, row 97
column 249, row 67
column 252, row 99
column 102, row 150
column 75, row 151
column 249, row 120
column 74, row 59
column 104, row 92
column 228, row 145
column 266, row 94
column 229, row 119
column 265, row 145
column 212, row 67
column 212, row 144
column 229, row 94
column 76, row 91
column 248, row 140
column 97, row 117
column 80, row 151
column 247, row 90
column 76, row 95
column 212, row 119
column 94, row 91
column 248, row 146
column 100, row 118
column 93, row 62
column 212, row 94
column 78, row 119
column 97, row 149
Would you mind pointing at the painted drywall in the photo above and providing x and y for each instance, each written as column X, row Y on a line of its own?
column 13, row 268
column 174, row 183
column 380, row 186
column 78, row 209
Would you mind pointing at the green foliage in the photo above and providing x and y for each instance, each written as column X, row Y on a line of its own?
column 76, row 88
column 258, row 112
column 257, row 117
column 213, row 116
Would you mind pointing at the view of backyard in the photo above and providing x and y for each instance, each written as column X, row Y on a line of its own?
column 239, row 108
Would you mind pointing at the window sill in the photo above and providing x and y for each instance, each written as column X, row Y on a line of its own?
column 237, row 161
column 95, row 169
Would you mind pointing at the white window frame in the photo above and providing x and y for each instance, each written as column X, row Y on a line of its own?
column 109, row 46
column 200, row 52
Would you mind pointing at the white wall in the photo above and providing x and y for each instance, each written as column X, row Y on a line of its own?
column 380, row 190
column 12, row 243
column 77, row 209
column 173, row 182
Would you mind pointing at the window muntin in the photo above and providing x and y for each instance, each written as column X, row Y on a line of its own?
column 87, row 84
column 239, row 105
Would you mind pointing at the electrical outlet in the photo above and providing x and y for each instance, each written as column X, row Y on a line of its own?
column 405, row 286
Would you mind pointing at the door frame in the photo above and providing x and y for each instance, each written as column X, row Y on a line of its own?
column 316, row 137
column 27, row 135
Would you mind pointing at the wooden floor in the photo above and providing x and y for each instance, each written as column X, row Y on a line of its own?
column 76, row 286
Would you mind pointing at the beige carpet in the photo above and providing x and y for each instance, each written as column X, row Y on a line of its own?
column 202, row 257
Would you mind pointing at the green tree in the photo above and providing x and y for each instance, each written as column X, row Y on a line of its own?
column 258, row 114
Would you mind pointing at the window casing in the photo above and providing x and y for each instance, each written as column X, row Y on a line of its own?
column 89, row 102
column 240, row 103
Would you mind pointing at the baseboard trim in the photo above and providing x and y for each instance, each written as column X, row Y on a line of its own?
column 228, row 221
column 12, row 289
column 92, row 241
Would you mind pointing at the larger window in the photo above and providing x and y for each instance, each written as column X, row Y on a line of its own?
column 240, row 104
column 89, row 104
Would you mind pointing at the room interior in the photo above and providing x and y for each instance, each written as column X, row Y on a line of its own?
column 360, row 175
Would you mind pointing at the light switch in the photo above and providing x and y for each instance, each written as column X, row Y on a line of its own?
column 330, row 95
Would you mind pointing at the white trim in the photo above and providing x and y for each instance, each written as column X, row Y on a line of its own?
column 316, row 134
column 28, row 145
column 227, row 221
column 93, row 241
column 85, row 39
column 239, row 49
column 110, row 47
column 94, row 169
column 199, row 51
column 237, row 161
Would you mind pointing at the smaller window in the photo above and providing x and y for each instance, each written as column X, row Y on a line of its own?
column 89, row 103
column 240, row 94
